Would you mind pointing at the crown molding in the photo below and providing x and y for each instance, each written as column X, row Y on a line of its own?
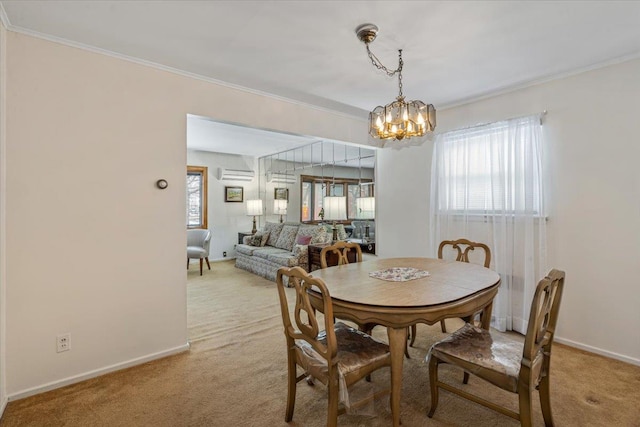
column 513, row 88
column 176, row 71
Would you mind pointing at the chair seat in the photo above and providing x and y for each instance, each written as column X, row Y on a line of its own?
column 356, row 351
column 491, row 357
column 196, row 252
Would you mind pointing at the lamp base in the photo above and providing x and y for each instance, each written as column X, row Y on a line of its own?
column 334, row 237
column 254, row 229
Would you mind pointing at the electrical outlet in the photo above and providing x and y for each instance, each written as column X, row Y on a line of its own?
column 63, row 342
column 224, row 254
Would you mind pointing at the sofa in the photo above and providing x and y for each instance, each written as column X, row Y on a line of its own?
column 279, row 245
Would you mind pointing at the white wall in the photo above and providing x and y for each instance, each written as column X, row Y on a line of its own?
column 92, row 246
column 594, row 199
column 3, row 264
column 225, row 220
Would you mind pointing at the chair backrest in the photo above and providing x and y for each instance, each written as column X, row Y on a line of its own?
column 199, row 237
column 306, row 327
column 341, row 249
column 463, row 246
column 542, row 325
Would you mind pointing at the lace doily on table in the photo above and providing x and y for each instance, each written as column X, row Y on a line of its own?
column 399, row 274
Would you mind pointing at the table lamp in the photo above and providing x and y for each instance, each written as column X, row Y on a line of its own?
column 366, row 209
column 280, row 208
column 254, row 207
column 335, row 209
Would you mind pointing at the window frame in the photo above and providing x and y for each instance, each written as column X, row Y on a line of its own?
column 329, row 182
column 204, row 196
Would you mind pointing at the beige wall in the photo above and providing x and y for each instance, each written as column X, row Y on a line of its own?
column 93, row 248
column 592, row 156
column 3, row 388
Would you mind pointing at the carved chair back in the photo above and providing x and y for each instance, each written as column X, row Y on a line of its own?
column 305, row 325
column 541, row 328
column 463, row 247
column 341, row 249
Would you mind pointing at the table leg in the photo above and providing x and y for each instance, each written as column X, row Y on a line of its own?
column 486, row 316
column 397, row 342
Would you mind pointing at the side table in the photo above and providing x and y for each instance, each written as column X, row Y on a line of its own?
column 366, row 247
column 332, row 259
column 242, row 234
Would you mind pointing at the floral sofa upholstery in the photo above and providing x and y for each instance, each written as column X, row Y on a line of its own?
column 279, row 245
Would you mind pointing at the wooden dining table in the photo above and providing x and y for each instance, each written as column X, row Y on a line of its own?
column 452, row 289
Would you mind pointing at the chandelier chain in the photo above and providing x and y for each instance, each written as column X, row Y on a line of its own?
column 378, row 64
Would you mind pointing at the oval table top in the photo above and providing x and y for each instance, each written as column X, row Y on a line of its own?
column 448, row 281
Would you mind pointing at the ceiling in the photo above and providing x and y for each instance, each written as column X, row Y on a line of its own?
column 307, row 51
column 206, row 134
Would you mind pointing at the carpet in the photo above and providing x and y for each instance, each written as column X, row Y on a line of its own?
column 235, row 375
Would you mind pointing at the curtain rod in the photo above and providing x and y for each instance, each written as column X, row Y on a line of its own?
column 542, row 114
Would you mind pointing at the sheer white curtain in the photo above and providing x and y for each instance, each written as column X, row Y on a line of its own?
column 487, row 186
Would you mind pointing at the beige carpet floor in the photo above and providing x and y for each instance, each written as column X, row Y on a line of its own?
column 235, row 375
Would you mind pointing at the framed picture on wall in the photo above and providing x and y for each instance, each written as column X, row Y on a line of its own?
column 233, row 194
column 281, row 194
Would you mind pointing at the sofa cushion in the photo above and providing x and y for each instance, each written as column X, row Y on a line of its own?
column 274, row 229
column 269, row 250
column 287, row 237
column 285, row 259
column 246, row 249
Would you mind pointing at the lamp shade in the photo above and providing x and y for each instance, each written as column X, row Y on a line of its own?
column 335, row 208
column 280, row 207
column 366, row 208
column 254, row 207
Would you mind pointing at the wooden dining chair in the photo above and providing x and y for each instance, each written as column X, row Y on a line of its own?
column 506, row 363
column 462, row 247
column 341, row 249
column 337, row 356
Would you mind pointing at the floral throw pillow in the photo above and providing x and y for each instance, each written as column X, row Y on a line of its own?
column 287, row 237
column 259, row 239
column 274, row 229
column 320, row 236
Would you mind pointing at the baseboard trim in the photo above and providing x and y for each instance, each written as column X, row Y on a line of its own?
column 96, row 373
column 597, row 350
column 3, row 405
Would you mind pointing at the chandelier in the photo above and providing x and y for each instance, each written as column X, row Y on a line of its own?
column 400, row 119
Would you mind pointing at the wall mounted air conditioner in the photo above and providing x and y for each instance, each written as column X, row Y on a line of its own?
column 225, row 174
column 281, row 178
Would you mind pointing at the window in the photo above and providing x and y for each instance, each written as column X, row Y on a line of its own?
column 315, row 188
column 484, row 171
column 197, row 213
column 487, row 185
